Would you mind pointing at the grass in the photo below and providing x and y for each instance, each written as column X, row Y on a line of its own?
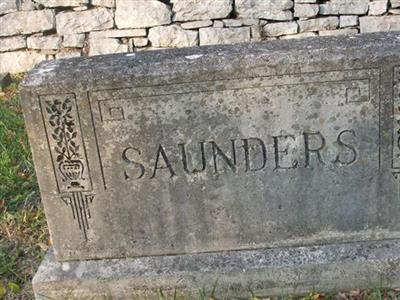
column 23, row 232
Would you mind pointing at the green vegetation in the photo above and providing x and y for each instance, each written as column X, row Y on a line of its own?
column 23, row 232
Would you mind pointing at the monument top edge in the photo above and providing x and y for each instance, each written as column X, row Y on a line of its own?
column 179, row 63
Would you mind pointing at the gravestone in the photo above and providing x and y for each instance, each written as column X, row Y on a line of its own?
column 273, row 167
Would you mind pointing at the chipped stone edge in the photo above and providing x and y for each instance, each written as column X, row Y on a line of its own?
column 266, row 272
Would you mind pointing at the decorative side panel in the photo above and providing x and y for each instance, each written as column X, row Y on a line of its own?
column 68, row 153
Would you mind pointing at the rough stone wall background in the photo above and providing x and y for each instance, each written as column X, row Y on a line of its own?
column 35, row 30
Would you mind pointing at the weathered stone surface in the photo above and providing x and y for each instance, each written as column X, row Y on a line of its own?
column 348, row 21
column 395, row 3
column 374, row 24
column 196, row 24
column 280, row 28
column 7, row 6
column 74, row 40
column 140, row 42
column 232, row 22
column 213, row 36
column 344, row 7
column 267, row 272
column 172, row 36
column 327, row 23
column 189, row 10
column 106, row 46
column 231, row 147
column 378, row 7
column 12, row 43
column 118, row 33
column 44, row 42
column 395, row 11
column 19, row 61
column 278, row 10
column 62, row 3
column 299, row 35
column 105, row 3
column 218, row 24
column 141, row 13
column 345, row 31
column 68, row 53
column 27, row 5
column 26, row 22
column 306, row 10
column 306, row 1
column 84, row 21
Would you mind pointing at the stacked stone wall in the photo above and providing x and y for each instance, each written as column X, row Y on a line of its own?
column 36, row 30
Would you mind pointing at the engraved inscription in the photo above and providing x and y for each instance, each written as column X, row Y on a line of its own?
column 282, row 123
column 68, row 153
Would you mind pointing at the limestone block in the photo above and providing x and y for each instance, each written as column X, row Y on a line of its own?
column 327, row 23
column 62, row 3
column 299, row 35
column 140, row 42
column 189, row 10
column 196, row 24
column 68, row 53
column 19, row 61
column 378, row 7
column 26, row 22
column 305, row 10
column 344, row 7
column 12, row 43
column 105, row 3
column 278, row 10
column 106, row 46
column 280, row 28
column 348, row 21
column 74, row 40
column 118, row 33
column 172, row 36
column 141, row 13
column 232, row 22
column 44, row 42
column 84, row 21
column 212, row 35
column 375, row 24
column 345, row 31
column 395, row 3
column 7, row 6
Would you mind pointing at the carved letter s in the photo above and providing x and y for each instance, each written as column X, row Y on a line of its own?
column 131, row 161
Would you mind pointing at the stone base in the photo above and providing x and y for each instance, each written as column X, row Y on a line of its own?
column 265, row 272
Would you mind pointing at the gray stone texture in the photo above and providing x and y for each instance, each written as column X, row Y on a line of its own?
column 12, row 43
column 26, row 22
column 189, row 10
column 84, row 21
column 375, row 24
column 7, row 6
column 74, row 40
column 306, row 10
column 299, row 143
column 19, row 61
column 327, row 23
column 378, row 7
column 214, row 36
column 278, row 10
column 281, row 28
column 141, row 13
column 264, row 272
column 106, row 46
column 62, row 3
column 173, row 36
column 196, row 24
column 348, row 21
column 44, row 42
column 344, row 7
